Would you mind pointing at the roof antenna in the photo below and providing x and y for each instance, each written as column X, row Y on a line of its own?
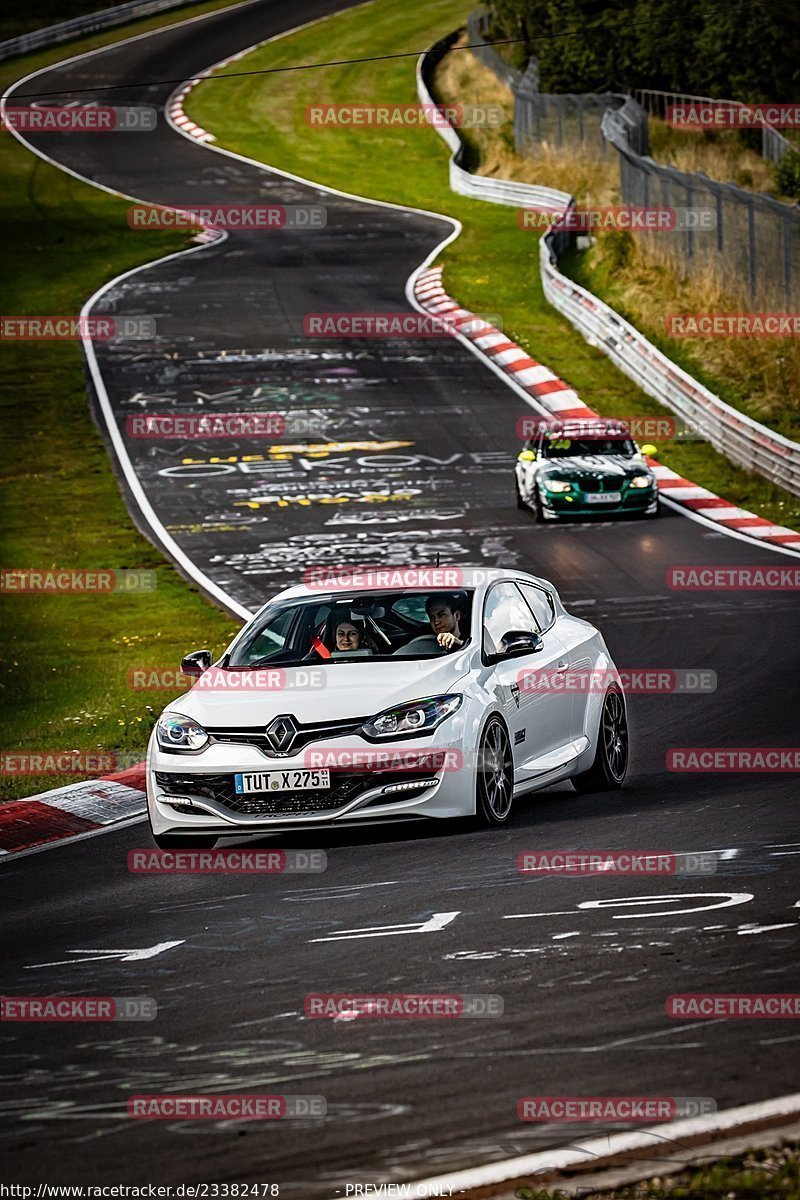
column 437, row 558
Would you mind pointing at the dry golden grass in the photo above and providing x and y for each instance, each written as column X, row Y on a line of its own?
column 643, row 283
column 720, row 155
column 461, row 78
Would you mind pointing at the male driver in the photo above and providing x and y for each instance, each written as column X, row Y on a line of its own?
column 444, row 617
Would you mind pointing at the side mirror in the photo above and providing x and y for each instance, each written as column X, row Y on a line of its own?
column 651, row 451
column 516, row 643
column 196, row 663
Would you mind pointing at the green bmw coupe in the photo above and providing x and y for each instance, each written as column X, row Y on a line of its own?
column 559, row 474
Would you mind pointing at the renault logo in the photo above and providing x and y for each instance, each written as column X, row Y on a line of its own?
column 280, row 734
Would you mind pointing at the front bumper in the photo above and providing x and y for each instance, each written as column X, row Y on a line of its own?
column 634, row 500
column 195, row 793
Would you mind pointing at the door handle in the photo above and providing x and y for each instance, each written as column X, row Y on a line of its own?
column 562, row 666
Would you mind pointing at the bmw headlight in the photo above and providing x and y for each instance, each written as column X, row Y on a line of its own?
column 558, row 485
column 422, row 716
column 640, row 481
column 175, row 732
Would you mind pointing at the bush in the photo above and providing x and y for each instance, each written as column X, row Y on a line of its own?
column 787, row 174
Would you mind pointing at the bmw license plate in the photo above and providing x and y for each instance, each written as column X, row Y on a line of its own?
column 291, row 780
column 604, row 497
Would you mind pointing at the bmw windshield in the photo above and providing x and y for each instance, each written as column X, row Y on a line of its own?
column 561, row 447
column 354, row 628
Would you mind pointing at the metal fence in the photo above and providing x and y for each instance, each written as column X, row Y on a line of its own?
column 548, row 120
column 743, row 242
column 773, row 144
column 746, row 242
column 106, row 18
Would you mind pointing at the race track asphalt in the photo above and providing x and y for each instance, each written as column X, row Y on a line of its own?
column 584, row 983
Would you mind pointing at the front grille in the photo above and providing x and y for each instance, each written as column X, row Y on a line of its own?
column 306, row 734
column 222, row 789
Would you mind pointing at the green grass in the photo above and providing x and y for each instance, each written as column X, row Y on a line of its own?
column 64, row 660
column 493, row 265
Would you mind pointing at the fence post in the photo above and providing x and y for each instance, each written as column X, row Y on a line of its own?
column 751, row 247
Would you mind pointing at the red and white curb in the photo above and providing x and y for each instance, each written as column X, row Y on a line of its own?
column 551, row 392
column 69, row 811
column 179, row 117
column 174, row 108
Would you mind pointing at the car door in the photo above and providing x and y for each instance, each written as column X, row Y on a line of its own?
column 538, row 718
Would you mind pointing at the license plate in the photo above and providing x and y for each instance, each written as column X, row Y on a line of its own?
column 291, row 780
column 604, row 497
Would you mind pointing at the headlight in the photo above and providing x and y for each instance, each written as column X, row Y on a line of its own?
column 174, row 732
column 558, row 485
column 640, row 481
column 423, row 716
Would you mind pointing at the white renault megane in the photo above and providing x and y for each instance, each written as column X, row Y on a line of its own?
column 345, row 706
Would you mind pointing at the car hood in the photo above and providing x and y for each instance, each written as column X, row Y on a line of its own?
column 614, row 467
column 358, row 689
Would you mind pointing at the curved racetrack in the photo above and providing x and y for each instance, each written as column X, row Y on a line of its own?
column 583, row 988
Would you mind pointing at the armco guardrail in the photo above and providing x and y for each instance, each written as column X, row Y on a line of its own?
column 480, row 187
column 744, row 441
column 106, row 18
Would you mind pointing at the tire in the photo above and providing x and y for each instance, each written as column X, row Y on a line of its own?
column 184, row 841
column 494, row 783
column 610, row 765
column 538, row 507
column 520, row 502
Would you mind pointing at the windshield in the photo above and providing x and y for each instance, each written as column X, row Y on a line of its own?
column 561, row 447
column 355, row 628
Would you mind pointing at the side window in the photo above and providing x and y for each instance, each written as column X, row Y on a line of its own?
column 540, row 603
column 503, row 611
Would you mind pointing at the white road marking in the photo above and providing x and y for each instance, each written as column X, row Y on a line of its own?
column 729, row 900
column 435, row 922
column 109, row 955
column 745, row 929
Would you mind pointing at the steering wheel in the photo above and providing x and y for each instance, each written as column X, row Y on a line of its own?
column 425, row 642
